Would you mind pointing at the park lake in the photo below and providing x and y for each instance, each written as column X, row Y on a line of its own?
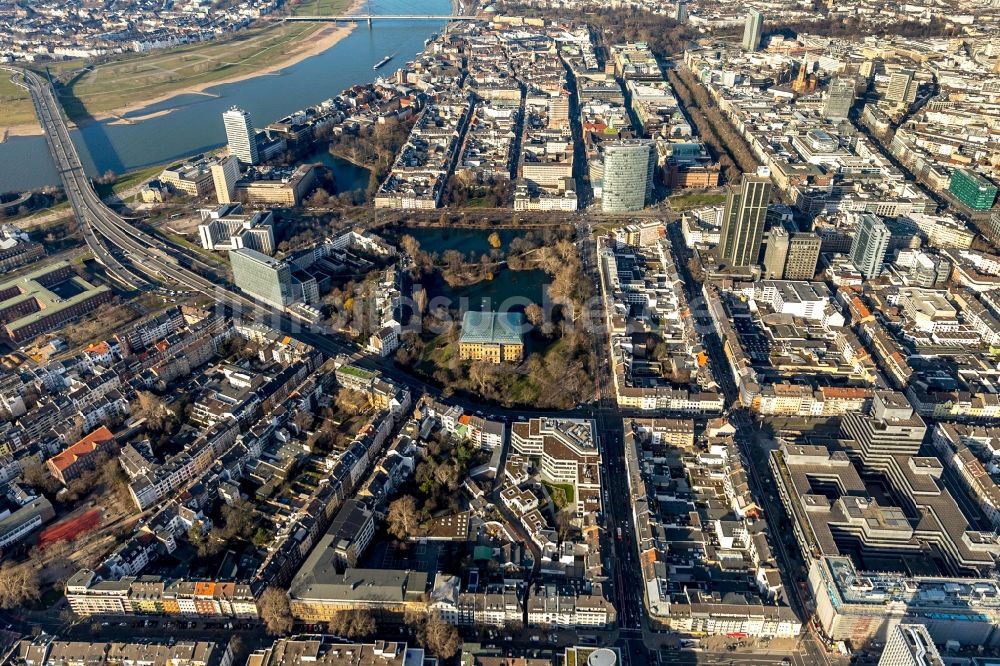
column 507, row 290
column 349, row 177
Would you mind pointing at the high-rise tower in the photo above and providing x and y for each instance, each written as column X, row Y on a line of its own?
column 839, row 99
column 871, row 240
column 628, row 175
column 752, row 30
column 241, row 136
column 743, row 220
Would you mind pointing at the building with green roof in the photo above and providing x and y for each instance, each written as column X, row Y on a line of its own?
column 45, row 299
column 491, row 336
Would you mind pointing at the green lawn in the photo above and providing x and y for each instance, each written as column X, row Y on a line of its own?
column 437, row 353
column 15, row 104
column 129, row 180
column 322, row 7
column 131, row 80
column 212, row 257
column 686, row 201
column 567, row 488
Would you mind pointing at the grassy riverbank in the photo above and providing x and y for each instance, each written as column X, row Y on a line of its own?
column 136, row 80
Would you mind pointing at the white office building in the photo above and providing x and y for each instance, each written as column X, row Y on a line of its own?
column 224, row 175
column 241, row 135
column 910, row 645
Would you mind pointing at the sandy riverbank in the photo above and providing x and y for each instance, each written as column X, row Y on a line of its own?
column 313, row 45
column 28, row 129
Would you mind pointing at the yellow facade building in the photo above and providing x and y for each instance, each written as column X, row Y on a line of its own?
column 491, row 336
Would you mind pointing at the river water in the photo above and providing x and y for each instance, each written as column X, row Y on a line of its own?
column 195, row 124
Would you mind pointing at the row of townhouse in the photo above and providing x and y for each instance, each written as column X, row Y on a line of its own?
column 116, row 585
column 388, row 313
column 549, row 606
column 734, row 537
column 88, row 594
column 482, row 432
column 651, row 299
column 297, row 536
column 797, row 400
column 48, row 650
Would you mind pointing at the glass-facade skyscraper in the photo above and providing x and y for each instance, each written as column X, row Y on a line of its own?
column 629, row 166
column 743, row 220
column 752, row 30
column 263, row 277
column 839, row 99
column 240, row 135
column 871, row 240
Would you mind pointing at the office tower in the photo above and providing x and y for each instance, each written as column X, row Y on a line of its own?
column 867, row 70
column 871, row 240
column 839, row 99
column 559, row 112
column 262, row 277
column 902, row 88
column 972, row 189
column 752, row 29
column 629, row 166
column 803, row 253
column 790, row 256
column 743, row 220
column 224, row 175
column 241, row 135
column 776, row 254
column 910, row 645
column 681, row 11
column 888, row 428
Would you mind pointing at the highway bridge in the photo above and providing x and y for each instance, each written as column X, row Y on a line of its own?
column 71, row 172
column 357, row 18
column 130, row 253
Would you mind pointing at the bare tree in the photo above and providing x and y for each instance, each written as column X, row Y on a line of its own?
column 19, row 584
column 152, row 408
column 420, row 300
column 535, row 314
column 411, row 245
column 441, row 638
column 351, row 401
column 403, row 518
column 275, row 611
column 352, row 624
column 304, row 420
column 37, row 476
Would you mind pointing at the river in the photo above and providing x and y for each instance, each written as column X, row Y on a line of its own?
column 195, row 123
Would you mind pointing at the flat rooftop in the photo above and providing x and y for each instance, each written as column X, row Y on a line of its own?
column 48, row 290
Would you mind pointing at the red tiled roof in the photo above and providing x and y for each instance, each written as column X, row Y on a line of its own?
column 84, row 447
